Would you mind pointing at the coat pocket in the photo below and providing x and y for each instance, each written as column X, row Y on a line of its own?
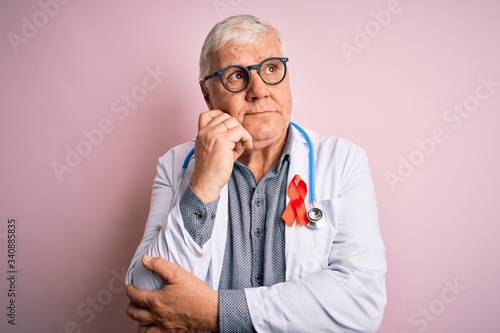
column 308, row 251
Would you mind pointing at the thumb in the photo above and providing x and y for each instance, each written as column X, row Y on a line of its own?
column 160, row 266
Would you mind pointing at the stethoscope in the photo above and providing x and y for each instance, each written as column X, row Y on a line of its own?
column 317, row 218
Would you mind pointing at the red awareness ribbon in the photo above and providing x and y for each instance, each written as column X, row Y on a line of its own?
column 296, row 208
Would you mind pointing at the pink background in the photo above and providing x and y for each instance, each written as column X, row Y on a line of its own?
column 77, row 232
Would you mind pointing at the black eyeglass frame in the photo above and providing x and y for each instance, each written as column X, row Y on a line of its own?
column 247, row 69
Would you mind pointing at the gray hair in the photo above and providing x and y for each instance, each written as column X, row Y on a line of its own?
column 241, row 29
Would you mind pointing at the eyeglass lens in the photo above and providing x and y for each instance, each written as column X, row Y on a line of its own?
column 235, row 78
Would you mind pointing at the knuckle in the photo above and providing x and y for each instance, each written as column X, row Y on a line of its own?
column 131, row 313
column 155, row 264
column 156, row 303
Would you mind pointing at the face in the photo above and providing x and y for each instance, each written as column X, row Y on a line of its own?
column 263, row 110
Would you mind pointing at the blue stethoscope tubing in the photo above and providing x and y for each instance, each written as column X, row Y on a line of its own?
column 317, row 218
column 312, row 182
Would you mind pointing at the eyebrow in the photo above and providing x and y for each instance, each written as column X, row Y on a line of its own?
column 239, row 64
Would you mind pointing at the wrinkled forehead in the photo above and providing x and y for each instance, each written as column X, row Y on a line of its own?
column 235, row 52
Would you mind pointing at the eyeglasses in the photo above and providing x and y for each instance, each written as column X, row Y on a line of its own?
column 236, row 78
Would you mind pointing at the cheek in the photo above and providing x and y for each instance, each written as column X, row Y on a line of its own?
column 229, row 104
column 284, row 98
column 218, row 97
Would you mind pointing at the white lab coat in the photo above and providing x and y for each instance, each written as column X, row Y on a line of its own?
column 335, row 276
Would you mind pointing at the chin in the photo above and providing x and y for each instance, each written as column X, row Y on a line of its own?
column 266, row 127
column 264, row 137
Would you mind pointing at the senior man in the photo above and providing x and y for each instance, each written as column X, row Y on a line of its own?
column 229, row 246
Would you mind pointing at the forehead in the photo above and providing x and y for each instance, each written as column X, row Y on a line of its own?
column 240, row 54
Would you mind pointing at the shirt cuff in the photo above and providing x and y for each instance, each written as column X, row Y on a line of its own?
column 233, row 312
column 198, row 216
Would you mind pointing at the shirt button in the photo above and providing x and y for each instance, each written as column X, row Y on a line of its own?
column 258, row 201
column 258, row 278
column 199, row 215
column 257, row 232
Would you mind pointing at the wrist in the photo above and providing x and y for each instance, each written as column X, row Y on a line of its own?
column 206, row 191
column 208, row 320
column 214, row 313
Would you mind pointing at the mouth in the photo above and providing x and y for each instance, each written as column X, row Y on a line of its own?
column 256, row 113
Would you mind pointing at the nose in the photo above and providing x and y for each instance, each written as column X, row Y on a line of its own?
column 257, row 88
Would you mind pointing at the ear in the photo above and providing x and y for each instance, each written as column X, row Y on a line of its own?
column 206, row 94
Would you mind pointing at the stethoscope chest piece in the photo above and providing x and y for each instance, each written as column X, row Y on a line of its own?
column 317, row 219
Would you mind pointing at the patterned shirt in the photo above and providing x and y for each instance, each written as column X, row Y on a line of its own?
column 254, row 254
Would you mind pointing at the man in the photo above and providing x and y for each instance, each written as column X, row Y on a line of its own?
column 231, row 252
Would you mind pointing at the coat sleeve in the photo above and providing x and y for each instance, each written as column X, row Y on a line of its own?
column 164, row 234
column 348, row 294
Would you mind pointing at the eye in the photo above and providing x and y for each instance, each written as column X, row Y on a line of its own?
column 270, row 68
column 235, row 74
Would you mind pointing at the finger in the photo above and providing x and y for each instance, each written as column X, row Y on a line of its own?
column 164, row 268
column 222, row 122
column 139, row 298
column 140, row 315
column 243, row 136
column 144, row 329
column 131, row 290
column 231, row 124
column 149, row 329
column 246, row 140
column 228, row 122
column 207, row 117
column 238, row 149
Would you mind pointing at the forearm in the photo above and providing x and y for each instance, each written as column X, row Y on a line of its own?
column 326, row 301
column 150, row 233
column 180, row 240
